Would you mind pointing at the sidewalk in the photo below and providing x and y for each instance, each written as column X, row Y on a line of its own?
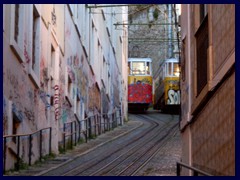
column 69, row 155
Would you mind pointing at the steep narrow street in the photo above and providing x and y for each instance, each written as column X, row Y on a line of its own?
column 148, row 145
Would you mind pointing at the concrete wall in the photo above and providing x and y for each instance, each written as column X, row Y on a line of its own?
column 208, row 118
column 79, row 70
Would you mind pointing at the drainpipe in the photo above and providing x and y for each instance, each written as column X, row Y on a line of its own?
column 170, row 46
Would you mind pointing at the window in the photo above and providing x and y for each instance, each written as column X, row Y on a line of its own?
column 183, row 57
column 78, row 107
column 148, row 68
column 16, row 23
column 52, row 57
column 138, row 68
column 129, row 68
column 69, row 86
column 17, row 31
column 202, row 12
column 35, row 37
column 34, row 63
column 4, row 7
column 201, row 54
column 176, row 70
column 169, row 65
column 104, row 18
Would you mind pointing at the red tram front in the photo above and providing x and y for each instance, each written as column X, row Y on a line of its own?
column 139, row 84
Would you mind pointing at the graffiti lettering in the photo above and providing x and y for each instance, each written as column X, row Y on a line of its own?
column 54, row 17
column 12, row 79
column 146, row 80
column 71, row 74
column 173, row 97
column 29, row 115
column 56, row 102
column 94, row 98
column 17, row 112
column 26, row 55
column 43, row 95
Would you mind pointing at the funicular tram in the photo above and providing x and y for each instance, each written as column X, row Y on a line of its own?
column 139, row 84
column 167, row 87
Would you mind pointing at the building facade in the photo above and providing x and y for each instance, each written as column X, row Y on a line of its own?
column 153, row 33
column 62, row 63
column 208, row 87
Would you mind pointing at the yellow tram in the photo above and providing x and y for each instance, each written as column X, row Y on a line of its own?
column 167, row 87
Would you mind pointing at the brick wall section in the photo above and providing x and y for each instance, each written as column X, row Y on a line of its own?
column 213, row 133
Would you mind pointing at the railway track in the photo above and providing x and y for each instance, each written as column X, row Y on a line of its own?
column 130, row 162
column 125, row 156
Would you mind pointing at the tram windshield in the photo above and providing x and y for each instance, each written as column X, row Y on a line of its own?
column 176, row 70
column 172, row 69
column 139, row 68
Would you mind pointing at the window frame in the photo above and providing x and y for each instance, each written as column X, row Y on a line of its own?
column 199, row 95
column 34, row 73
column 17, row 47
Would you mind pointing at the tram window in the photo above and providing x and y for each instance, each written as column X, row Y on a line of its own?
column 129, row 68
column 169, row 65
column 148, row 68
column 138, row 67
column 176, row 71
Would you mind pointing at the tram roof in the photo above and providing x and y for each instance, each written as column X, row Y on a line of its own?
column 172, row 60
column 140, row 59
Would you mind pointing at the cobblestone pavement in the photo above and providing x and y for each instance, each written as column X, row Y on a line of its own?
column 162, row 164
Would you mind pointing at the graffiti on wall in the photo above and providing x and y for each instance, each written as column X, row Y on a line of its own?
column 139, row 93
column 17, row 112
column 82, row 75
column 173, row 97
column 105, row 101
column 54, row 17
column 44, row 97
column 73, row 61
column 26, row 55
column 94, row 98
column 184, row 99
column 43, row 73
column 56, row 102
column 29, row 114
column 115, row 83
column 140, row 89
column 5, row 118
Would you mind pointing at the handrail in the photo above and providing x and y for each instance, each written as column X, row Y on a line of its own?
column 109, row 119
column 195, row 170
column 93, row 126
column 30, row 145
column 15, row 135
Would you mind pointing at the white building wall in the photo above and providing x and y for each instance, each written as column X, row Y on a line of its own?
column 69, row 80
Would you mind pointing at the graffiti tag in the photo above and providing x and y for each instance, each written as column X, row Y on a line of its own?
column 173, row 97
